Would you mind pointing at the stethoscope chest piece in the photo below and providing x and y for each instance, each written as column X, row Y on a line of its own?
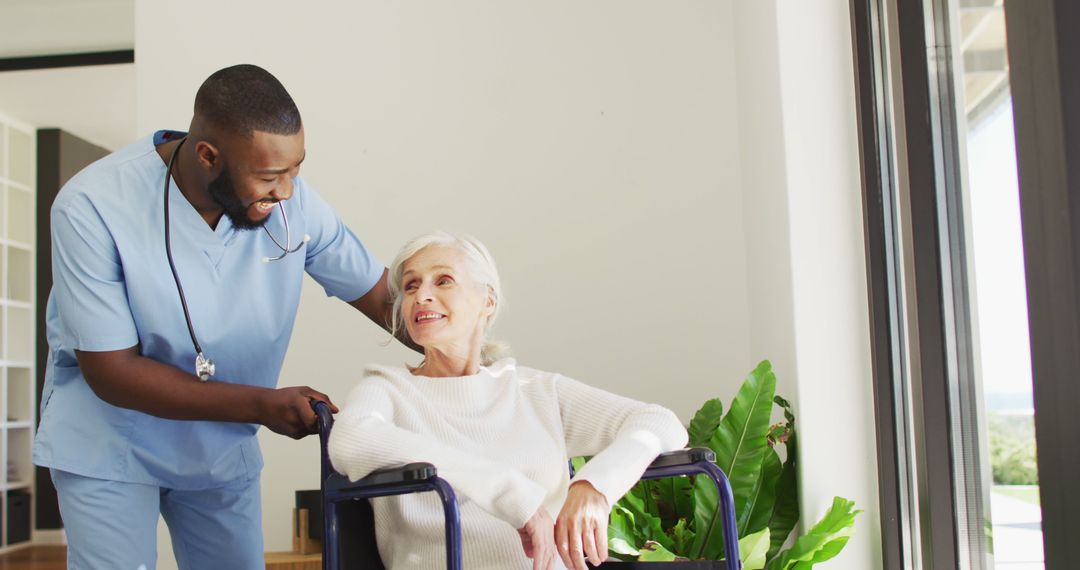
column 204, row 367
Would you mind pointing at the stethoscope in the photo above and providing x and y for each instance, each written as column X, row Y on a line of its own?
column 204, row 367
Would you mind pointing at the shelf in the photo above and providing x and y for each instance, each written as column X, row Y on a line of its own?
column 20, row 276
column 18, row 255
column 15, row 244
column 21, row 163
column 16, row 185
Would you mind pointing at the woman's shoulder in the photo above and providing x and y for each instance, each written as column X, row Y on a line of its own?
column 379, row 385
column 510, row 368
column 380, row 374
column 382, row 378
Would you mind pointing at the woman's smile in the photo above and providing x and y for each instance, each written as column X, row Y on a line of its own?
column 425, row 317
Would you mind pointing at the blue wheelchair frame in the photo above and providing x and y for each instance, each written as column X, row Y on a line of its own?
column 421, row 477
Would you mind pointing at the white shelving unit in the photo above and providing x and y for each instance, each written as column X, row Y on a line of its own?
column 17, row 328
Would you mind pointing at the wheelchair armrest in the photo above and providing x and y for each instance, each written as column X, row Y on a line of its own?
column 411, row 473
column 683, row 457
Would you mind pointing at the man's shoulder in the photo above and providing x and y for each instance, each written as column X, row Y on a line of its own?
column 114, row 175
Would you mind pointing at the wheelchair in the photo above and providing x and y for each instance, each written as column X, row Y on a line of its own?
column 339, row 494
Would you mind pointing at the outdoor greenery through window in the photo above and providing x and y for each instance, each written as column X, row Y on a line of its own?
column 999, row 294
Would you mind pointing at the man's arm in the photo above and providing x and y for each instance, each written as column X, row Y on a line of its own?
column 126, row 379
column 377, row 306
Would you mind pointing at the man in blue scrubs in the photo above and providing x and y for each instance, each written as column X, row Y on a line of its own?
column 128, row 429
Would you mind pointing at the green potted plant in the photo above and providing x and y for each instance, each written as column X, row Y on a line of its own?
column 676, row 521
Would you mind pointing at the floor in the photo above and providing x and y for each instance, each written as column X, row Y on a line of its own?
column 55, row 558
column 1017, row 534
column 35, row 558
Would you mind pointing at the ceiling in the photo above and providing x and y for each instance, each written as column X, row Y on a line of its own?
column 49, row 27
column 96, row 103
column 985, row 62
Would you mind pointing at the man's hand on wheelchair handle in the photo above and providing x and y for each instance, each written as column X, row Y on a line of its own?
column 581, row 527
column 288, row 410
column 538, row 539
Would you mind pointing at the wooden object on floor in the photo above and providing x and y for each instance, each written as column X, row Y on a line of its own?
column 293, row 561
column 302, row 542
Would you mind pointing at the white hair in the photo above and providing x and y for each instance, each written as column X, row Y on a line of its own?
column 481, row 267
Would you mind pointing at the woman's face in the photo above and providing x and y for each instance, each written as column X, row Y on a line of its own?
column 442, row 306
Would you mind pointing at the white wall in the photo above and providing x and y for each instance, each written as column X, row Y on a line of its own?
column 95, row 103
column 805, row 253
column 671, row 190
column 593, row 146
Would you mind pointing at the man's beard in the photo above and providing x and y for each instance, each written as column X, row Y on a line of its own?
column 223, row 192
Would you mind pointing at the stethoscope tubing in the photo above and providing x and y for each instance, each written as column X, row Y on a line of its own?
column 204, row 367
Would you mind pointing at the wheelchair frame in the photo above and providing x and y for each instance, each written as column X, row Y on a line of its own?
column 421, row 477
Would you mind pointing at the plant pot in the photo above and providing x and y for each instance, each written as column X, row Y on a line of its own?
column 688, row 565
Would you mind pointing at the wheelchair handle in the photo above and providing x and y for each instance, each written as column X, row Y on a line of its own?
column 325, row 418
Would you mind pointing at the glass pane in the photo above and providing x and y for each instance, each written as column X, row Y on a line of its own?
column 20, row 157
column 998, row 294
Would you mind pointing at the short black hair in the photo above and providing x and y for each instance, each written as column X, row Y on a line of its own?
column 246, row 98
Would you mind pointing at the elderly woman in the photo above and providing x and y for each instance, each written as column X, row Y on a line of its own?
column 500, row 433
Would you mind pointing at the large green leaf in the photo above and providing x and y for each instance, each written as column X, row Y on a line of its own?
column 824, row 541
column 705, row 422
column 646, row 526
column 655, row 552
column 674, row 497
column 752, row 549
column 682, row 536
column 759, row 505
column 576, row 463
column 621, row 538
column 708, row 537
column 785, row 513
column 640, row 498
column 740, row 444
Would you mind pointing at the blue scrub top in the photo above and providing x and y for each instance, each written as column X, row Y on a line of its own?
column 113, row 289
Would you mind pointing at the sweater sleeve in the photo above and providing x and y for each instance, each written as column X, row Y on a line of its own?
column 364, row 439
column 624, row 435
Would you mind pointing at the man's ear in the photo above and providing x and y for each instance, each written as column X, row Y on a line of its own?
column 208, row 155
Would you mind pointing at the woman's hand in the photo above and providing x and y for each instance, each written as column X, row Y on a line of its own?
column 581, row 528
column 538, row 539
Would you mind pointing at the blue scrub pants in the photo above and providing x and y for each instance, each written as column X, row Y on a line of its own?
column 112, row 525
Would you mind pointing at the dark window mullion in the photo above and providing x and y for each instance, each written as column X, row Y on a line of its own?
column 896, row 487
column 1044, row 71
column 937, row 255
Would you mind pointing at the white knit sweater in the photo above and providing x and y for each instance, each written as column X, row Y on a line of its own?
column 501, row 438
